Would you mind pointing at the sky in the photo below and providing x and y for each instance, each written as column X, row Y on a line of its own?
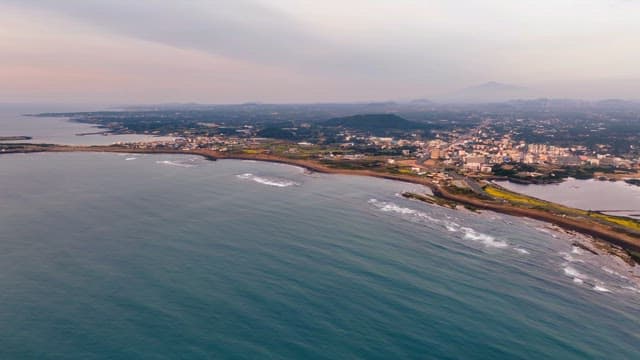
column 230, row 51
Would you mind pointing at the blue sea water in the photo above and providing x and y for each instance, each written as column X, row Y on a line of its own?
column 106, row 256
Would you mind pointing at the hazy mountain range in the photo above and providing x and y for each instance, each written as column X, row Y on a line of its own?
column 488, row 92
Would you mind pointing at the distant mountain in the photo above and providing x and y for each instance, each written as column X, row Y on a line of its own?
column 488, row 92
column 375, row 123
column 421, row 102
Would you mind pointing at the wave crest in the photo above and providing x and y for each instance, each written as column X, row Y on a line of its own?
column 276, row 182
column 487, row 240
column 175, row 163
column 469, row 233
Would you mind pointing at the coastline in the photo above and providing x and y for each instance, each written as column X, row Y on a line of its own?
column 627, row 240
column 215, row 155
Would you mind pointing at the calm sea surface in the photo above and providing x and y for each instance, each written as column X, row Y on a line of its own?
column 106, row 256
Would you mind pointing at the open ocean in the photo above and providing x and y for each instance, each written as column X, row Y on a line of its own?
column 112, row 256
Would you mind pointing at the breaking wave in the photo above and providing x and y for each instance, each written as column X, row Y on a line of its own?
column 572, row 272
column 569, row 258
column 391, row 207
column 188, row 163
column 276, row 182
column 487, row 240
column 599, row 288
column 577, row 264
column 576, row 250
column 174, row 163
column 468, row 233
column 579, row 278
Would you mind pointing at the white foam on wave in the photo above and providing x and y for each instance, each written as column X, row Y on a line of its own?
column 277, row 183
column 576, row 250
column 569, row 258
column 600, row 288
column 282, row 183
column 594, row 283
column 174, row 163
column 391, row 207
column 469, row 233
column 130, row 158
column 521, row 251
column 614, row 273
column 572, row 272
column 451, row 227
column 487, row 240
column 634, row 289
column 577, row 276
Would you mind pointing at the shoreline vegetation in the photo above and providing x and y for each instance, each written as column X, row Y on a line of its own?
column 622, row 234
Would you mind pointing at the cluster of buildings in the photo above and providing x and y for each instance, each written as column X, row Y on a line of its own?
column 475, row 151
column 215, row 143
column 480, row 154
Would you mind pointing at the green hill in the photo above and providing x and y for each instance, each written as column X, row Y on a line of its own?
column 374, row 123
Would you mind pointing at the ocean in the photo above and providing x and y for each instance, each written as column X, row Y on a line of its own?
column 118, row 256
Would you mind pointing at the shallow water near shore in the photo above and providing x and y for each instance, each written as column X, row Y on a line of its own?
column 163, row 256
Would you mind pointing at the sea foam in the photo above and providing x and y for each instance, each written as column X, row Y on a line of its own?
column 576, row 276
column 391, row 207
column 600, row 288
column 276, row 182
column 487, row 240
column 174, row 163
column 572, row 272
column 468, row 233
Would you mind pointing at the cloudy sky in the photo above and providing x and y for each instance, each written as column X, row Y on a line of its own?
column 222, row 51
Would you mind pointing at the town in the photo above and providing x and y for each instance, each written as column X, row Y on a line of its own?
column 460, row 152
column 533, row 141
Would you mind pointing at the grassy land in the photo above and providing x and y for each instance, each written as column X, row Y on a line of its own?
column 620, row 220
